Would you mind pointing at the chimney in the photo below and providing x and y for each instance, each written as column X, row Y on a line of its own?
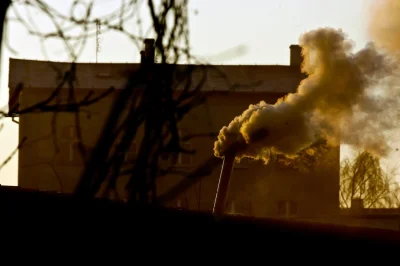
column 296, row 58
column 149, row 50
column 142, row 58
column 223, row 184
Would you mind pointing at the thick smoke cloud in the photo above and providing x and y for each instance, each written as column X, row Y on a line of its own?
column 349, row 98
column 384, row 25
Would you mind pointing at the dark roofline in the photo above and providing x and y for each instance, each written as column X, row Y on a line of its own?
column 295, row 46
column 120, row 63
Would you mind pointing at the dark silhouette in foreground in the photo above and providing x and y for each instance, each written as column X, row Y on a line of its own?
column 61, row 216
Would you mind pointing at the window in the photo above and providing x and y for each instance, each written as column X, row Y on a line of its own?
column 68, row 132
column 239, row 207
column 292, row 208
column 179, row 203
column 287, row 208
column 232, row 207
column 63, row 96
column 69, row 152
column 103, row 71
column 282, row 207
column 185, row 158
column 70, row 137
column 182, row 202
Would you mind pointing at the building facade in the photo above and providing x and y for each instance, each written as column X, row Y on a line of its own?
column 50, row 160
column 358, row 216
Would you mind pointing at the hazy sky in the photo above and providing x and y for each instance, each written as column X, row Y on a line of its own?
column 265, row 27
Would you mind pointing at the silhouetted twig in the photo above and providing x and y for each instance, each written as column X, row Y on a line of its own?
column 13, row 153
column 151, row 98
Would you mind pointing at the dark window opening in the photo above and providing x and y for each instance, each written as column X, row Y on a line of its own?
column 287, row 208
column 282, row 207
column 185, row 158
column 292, row 208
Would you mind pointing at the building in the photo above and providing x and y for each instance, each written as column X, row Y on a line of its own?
column 53, row 163
column 358, row 216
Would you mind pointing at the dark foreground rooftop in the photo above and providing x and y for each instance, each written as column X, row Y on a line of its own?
column 64, row 218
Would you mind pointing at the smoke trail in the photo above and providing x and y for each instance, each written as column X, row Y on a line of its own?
column 345, row 99
column 384, row 25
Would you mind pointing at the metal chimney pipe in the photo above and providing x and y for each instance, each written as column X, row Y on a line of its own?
column 142, row 57
column 296, row 57
column 227, row 166
column 149, row 50
column 223, row 184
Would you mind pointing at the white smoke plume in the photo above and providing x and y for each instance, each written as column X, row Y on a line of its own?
column 349, row 98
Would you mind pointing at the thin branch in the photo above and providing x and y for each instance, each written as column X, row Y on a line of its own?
column 13, row 153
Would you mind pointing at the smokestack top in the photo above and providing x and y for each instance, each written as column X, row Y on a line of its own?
column 148, row 51
column 149, row 41
column 142, row 57
column 223, row 184
column 296, row 58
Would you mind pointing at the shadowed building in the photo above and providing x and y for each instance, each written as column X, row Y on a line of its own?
column 50, row 160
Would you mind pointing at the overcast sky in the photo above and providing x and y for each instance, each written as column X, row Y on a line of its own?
column 266, row 28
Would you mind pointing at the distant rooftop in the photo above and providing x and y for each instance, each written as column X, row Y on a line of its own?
column 253, row 78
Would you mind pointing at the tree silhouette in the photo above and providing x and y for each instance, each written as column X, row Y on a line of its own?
column 363, row 178
column 307, row 159
column 156, row 97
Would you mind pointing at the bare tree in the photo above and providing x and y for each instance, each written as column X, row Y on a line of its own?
column 150, row 98
column 307, row 159
column 363, row 178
